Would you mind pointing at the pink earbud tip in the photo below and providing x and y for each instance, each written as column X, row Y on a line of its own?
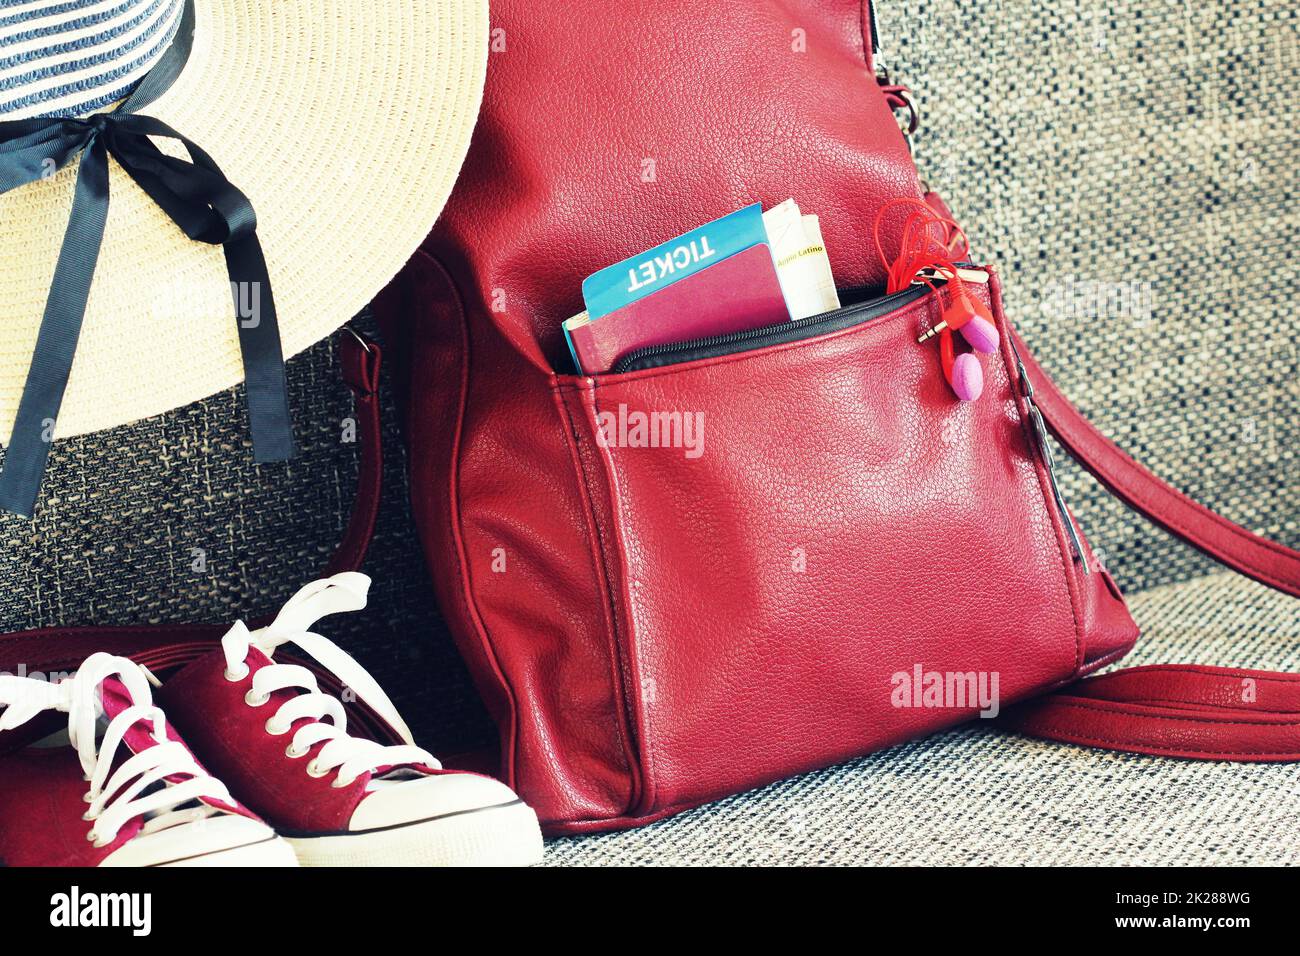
column 967, row 377
column 981, row 334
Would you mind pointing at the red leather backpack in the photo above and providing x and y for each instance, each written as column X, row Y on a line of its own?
column 653, row 630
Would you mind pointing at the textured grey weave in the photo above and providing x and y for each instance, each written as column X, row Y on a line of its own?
column 1131, row 167
column 168, row 520
column 979, row 796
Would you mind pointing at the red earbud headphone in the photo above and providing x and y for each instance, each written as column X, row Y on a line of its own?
column 929, row 246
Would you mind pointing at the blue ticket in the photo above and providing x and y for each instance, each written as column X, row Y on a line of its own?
column 618, row 285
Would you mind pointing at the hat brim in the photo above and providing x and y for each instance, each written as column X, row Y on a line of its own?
column 344, row 121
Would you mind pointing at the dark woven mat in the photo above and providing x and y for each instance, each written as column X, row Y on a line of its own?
column 126, row 516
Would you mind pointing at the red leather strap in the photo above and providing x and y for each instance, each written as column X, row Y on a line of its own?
column 1207, row 713
column 359, row 360
column 1204, row 713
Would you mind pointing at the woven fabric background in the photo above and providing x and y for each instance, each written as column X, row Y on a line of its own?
column 1130, row 166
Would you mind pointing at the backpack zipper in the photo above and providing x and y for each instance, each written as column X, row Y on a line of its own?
column 673, row 353
column 1038, row 426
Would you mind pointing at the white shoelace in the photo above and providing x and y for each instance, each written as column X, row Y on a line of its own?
column 350, row 756
column 140, row 786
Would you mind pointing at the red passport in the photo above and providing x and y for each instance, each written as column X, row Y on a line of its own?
column 737, row 293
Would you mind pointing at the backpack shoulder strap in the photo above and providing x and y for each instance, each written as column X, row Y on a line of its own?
column 1172, row 710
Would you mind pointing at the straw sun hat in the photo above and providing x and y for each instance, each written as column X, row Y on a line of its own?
column 343, row 124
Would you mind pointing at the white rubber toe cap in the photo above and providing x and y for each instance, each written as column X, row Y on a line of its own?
column 215, row 841
column 454, row 819
column 396, row 802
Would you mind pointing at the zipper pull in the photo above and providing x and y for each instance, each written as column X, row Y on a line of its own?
column 974, row 276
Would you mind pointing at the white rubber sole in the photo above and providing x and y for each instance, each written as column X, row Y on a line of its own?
column 505, row 835
column 269, row 853
column 225, row 840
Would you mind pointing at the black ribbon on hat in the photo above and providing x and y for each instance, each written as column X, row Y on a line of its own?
column 197, row 197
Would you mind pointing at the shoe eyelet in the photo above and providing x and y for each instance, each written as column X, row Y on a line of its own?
column 88, row 797
column 293, row 753
column 236, row 678
column 253, row 700
column 338, row 783
column 274, row 729
column 314, row 770
column 88, row 817
column 93, row 839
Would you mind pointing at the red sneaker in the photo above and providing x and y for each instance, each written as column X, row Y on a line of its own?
column 283, row 746
column 118, row 788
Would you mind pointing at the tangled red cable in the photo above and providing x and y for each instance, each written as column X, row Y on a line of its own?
column 929, row 246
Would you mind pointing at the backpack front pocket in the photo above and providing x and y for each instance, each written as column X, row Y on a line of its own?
column 813, row 550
